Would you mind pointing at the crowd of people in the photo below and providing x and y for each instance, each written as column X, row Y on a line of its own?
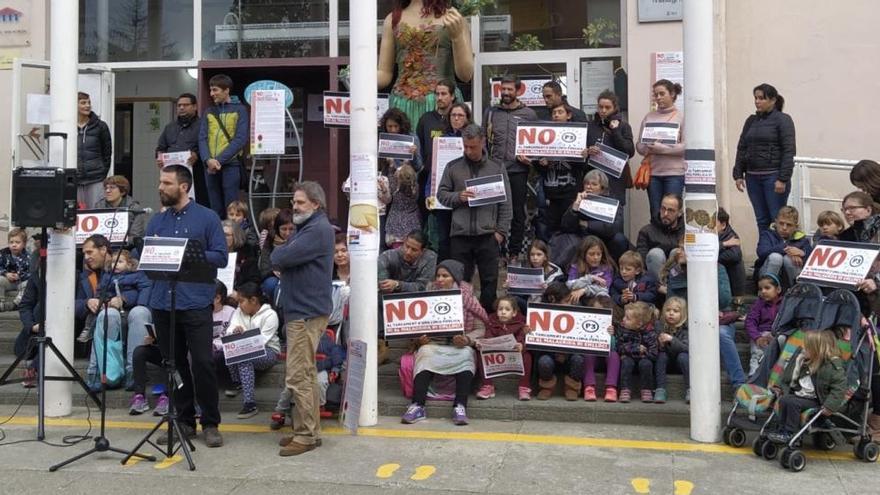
column 432, row 238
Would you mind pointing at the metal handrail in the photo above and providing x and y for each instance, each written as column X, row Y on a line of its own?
column 802, row 187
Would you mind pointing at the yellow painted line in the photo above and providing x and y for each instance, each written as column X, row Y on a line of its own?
column 519, row 438
column 168, row 462
column 423, row 472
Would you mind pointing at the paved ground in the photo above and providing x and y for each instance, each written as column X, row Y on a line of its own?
column 499, row 457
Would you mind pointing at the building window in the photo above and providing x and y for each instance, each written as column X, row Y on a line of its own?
column 516, row 25
column 135, row 30
column 265, row 28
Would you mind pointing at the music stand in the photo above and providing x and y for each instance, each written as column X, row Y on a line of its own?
column 172, row 259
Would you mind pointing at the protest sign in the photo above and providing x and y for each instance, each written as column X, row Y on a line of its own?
column 569, row 329
column 110, row 223
column 446, row 149
column 243, row 347
column 660, row 132
column 337, row 108
column 552, row 140
column 601, row 208
column 526, row 281
column 162, row 254
column 413, row 314
column 839, row 264
column 609, row 160
column 530, row 93
column 267, row 122
column 500, row 357
column 355, row 373
column 396, row 146
column 487, row 190
column 227, row 273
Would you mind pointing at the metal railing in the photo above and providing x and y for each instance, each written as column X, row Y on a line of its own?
column 802, row 185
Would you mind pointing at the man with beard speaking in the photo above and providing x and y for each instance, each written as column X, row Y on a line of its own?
column 184, row 218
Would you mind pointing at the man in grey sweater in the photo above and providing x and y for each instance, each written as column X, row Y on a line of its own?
column 409, row 268
column 480, row 230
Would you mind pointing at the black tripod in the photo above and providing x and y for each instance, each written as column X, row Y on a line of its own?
column 43, row 342
column 102, row 444
column 193, row 268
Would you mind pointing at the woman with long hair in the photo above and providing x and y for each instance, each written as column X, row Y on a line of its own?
column 666, row 160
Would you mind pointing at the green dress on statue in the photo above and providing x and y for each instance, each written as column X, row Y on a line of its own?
column 424, row 58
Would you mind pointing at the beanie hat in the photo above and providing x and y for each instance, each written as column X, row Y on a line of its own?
column 455, row 268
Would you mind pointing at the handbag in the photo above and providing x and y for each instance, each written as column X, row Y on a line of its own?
column 643, row 174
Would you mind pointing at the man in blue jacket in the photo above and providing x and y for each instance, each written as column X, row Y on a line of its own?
column 193, row 331
column 306, row 264
column 222, row 136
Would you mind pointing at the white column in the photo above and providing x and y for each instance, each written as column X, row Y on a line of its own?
column 705, row 374
column 364, row 287
column 60, row 273
column 103, row 29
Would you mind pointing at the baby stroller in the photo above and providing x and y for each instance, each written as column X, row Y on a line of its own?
column 839, row 310
column 754, row 401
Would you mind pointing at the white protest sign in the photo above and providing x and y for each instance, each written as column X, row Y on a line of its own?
column 175, row 158
column 413, row 314
column 601, row 208
column 500, row 363
column 839, row 264
column 355, row 371
column 660, row 132
column 396, row 146
column 267, row 121
column 243, row 347
column 487, row 190
column 112, row 224
column 337, row 108
column 552, row 139
column 609, row 160
column 162, row 254
column 526, row 281
column 446, row 149
column 530, row 93
column 700, row 173
column 227, row 273
column 502, row 343
column 570, row 329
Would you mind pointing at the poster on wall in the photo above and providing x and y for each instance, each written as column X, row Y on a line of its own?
column 670, row 66
column 597, row 76
column 267, row 122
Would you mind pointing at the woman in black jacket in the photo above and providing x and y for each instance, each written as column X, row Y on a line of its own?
column 608, row 127
column 765, row 155
column 94, row 148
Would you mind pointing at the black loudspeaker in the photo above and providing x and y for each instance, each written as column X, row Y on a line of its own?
column 44, row 197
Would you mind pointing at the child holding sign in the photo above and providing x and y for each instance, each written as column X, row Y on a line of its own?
column 550, row 363
column 592, row 272
column 252, row 313
column 456, row 360
column 673, row 346
column 633, row 283
column 539, row 257
column 637, row 345
column 508, row 320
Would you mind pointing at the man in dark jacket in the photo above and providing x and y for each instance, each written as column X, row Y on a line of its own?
column 409, row 268
column 477, row 232
column 662, row 236
column 183, row 135
column 499, row 124
column 431, row 125
column 223, row 134
column 94, row 148
column 305, row 260
column 553, row 97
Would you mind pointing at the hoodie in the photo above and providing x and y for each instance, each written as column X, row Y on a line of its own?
column 266, row 319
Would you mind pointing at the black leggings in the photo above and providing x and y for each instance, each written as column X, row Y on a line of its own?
column 463, row 381
column 875, row 387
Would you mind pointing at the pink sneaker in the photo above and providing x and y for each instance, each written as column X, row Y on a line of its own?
column 487, row 391
column 525, row 393
column 590, row 393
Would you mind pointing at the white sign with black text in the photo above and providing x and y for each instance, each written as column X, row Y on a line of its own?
column 487, row 190
column 162, row 254
column 396, row 146
column 839, row 264
column 660, row 132
column 446, row 149
column 601, row 208
column 112, row 224
column 609, row 160
column 413, row 314
column 568, row 329
column 552, row 140
column 526, row 281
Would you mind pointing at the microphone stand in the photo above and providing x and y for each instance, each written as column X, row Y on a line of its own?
column 102, row 443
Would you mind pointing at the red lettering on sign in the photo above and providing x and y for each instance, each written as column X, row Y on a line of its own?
column 563, row 323
column 89, row 223
column 394, row 311
column 526, row 136
column 547, row 136
column 418, row 310
column 335, row 105
column 828, row 257
column 539, row 320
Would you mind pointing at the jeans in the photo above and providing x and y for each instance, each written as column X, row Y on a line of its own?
column 663, row 360
column 193, row 336
column 26, row 348
column 776, row 262
column 646, row 372
column 612, row 369
column 463, row 381
column 138, row 318
column 730, row 356
column 660, row 186
column 223, row 186
column 142, row 355
column 736, row 273
column 519, row 191
column 765, row 201
column 790, row 408
column 482, row 250
column 573, row 364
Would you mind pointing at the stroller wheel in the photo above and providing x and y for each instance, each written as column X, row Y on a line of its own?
column 769, row 450
column 784, row 457
column 737, row 437
column 797, row 461
column 869, row 451
column 725, row 435
column 824, row 441
column 758, row 445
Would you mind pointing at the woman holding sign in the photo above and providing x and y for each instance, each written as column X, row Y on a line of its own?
column 608, row 129
column 661, row 142
column 458, row 359
column 765, row 155
column 116, row 189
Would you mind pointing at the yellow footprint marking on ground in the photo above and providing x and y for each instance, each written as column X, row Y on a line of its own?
column 387, row 470
column 641, row 485
column 168, row 462
column 683, row 487
column 423, row 472
column 132, row 461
